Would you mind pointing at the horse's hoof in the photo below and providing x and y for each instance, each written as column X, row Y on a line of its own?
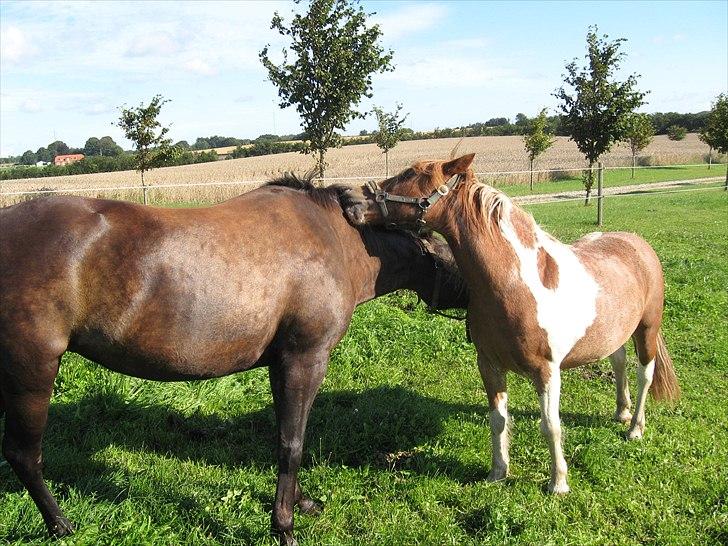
column 309, row 507
column 286, row 539
column 60, row 527
column 623, row 417
column 635, row 433
column 497, row 475
column 559, row 488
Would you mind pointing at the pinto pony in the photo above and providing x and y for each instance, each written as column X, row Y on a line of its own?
column 270, row 278
column 537, row 306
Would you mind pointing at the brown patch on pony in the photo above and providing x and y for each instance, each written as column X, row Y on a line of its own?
column 524, row 227
column 548, row 269
column 664, row 383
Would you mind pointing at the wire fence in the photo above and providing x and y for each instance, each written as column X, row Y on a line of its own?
column 247, row 185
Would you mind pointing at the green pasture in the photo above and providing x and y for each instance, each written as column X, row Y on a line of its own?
column 397, row 446
column 572, row 180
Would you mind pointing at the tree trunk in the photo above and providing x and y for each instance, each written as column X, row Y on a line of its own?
column 386, row 164
column 710, row 157
column 726, row 177
column 144, row 189
column 531, row 185
column 634, row 163
column 589, row 182
column 322, row 154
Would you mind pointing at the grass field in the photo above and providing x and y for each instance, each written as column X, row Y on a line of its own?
column 397, row 445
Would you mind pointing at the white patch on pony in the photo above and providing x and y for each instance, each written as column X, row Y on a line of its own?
column 499, row 425
column 566, row 311
column 551, row 429
column 644, row 380
column 589, row 237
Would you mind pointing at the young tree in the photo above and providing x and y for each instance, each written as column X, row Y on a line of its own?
column 595, row 113
column 140, row 125
column 715, row 133
column 334, row 54
column 676, row 132
column 390, row 131
column 537, row 141
column 639, row 135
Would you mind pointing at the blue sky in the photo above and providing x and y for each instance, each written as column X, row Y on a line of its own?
column 65, row 67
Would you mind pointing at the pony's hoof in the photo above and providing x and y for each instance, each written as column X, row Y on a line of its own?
column 561, row 488
column 635, row 433
column 309, row 507
column 623, row 417
column 60, row 527
column 497, row 475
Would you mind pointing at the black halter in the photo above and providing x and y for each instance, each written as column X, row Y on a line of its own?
column 423, row 203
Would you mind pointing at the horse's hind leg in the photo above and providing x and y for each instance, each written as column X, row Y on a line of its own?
column 494, row 379
column 26, row 409
column 549, row 394
column 295, row 380
column 645, row 343
column 624, row 404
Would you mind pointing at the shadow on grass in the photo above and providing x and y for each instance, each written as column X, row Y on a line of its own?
column 383, row 428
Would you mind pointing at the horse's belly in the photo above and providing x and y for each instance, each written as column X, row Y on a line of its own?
column 192, row 359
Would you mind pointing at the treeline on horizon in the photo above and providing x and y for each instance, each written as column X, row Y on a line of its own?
column 104, row 155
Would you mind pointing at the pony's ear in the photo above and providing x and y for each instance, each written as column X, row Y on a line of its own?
column 458, row 166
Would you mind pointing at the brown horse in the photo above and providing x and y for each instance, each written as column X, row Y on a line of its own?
column 536, row 305
column 270, row 278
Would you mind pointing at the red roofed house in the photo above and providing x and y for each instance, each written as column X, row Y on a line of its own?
column 67, row 159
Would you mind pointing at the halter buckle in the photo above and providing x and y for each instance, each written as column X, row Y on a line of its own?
column 443, row 190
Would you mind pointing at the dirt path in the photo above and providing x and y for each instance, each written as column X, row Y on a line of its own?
column 616, row 190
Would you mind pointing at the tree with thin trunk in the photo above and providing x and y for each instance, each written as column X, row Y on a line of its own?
column 639, row 135
column 596, row 111
column 140, row 125
column 334, row 54
column 537, row 140
column 715, row 133
column 390, row 131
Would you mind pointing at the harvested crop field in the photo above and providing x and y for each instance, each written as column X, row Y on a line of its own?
column 504, row 153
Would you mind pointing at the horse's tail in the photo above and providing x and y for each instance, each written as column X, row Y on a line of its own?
column 664, row 383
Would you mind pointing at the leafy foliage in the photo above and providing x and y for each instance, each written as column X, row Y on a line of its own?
column 639, row 135
column 390, row 130
column 715, row 133
column 333, row 56
column 537, row 141
column 596, row 112
column 676, row 132
column 140, row 125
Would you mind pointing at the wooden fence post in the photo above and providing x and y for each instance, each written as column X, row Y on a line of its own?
column 600, row 183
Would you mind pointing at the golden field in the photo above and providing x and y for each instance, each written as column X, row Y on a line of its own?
column 500, row 153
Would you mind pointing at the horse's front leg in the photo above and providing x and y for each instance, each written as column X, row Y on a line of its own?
column 494, row 379
column 549, row 394
column 295, row 379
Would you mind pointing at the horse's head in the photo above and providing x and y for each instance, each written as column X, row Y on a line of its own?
column 410, row 197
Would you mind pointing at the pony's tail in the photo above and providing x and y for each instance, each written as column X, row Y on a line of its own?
column 664, row 383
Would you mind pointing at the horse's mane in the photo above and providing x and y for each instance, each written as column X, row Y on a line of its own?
column 483, row 205
column 328, row 197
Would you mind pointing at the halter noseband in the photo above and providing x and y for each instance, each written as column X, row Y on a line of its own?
column 423, row 203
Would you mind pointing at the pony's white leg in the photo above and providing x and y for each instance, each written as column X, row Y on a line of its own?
column 494, row 380
column 644, row 380
column 619, row 365
column 551, row 429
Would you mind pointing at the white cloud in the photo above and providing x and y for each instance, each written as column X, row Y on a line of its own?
column 410, row 19
column 97, row 108
column 198, row 66
column 154, row 44
column 29, row 106
column 15, row 46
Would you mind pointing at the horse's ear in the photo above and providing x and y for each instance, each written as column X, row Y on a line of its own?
column 458, row 166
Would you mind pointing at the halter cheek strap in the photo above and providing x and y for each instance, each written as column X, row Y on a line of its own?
column 381, row 197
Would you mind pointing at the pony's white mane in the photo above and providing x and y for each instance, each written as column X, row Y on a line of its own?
column 492, row 203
